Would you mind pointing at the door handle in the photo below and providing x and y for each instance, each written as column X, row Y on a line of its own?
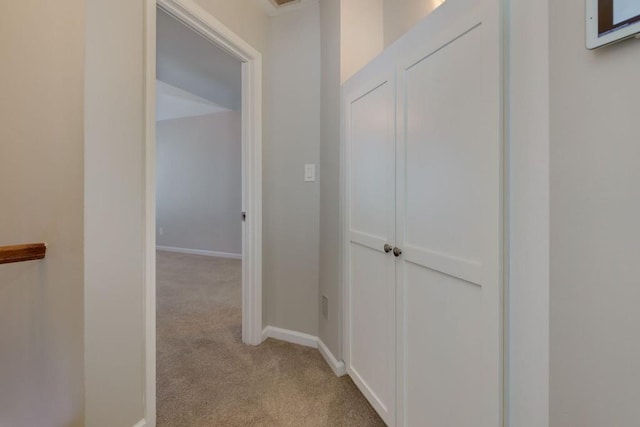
column 397, row 252
column 387, row 248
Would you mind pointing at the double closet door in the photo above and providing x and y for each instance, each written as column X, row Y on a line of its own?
column 423, row 235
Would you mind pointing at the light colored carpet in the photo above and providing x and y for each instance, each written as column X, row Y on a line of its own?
column 207, row 377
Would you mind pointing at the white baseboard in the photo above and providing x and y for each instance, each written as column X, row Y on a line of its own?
column 141, row 423
column 306, row 340
column 199, row 252
column 290, row 336
column 337, row 366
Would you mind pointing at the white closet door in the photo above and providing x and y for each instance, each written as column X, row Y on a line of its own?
column 449, row 222
column 370, row 271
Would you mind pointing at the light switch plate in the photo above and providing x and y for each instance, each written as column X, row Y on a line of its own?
column 309, row 173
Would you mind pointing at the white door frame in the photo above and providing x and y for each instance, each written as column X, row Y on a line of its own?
column 199, row 20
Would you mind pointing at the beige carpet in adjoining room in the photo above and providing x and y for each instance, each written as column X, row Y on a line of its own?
column 207, row 377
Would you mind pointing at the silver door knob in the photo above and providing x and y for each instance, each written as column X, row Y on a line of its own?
column 387, row 248
column 397, row 251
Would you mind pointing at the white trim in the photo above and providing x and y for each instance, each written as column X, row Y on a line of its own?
column 337, row 366
column 293, row 337
column 527, row 177
column 345, row 339
column 199, row 20
column 199, row 252
column 505, row 70
column 149, row 219
column 141, row 423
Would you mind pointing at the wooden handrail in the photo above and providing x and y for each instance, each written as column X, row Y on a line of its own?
column 20, row 253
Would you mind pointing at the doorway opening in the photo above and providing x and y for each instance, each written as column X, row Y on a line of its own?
column 203, row 181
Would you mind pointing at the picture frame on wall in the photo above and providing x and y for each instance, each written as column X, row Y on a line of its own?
column 611, row 21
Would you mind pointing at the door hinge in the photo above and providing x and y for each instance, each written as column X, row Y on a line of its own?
column 244, row 216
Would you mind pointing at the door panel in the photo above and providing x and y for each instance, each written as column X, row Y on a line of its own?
column 370, row 152
column 451, row 147
column 372, row 162
column 449, row 227
column 443, row 338
column 371, row 359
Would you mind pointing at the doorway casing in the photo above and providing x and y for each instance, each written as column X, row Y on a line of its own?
column 203, row 23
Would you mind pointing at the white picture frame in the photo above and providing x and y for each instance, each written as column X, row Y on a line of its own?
column 595, row 39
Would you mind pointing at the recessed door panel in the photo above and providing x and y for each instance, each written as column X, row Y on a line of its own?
column 443, row 341
column 452, row 151
column 372, row 166
column 372, row 361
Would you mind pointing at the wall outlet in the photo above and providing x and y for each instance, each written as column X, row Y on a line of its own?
column 160, row 231
column 325, row 307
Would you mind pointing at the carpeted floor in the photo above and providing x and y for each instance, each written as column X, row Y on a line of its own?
column 207, row 377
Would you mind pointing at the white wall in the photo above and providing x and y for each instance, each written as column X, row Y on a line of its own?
column 41, row 121
column 361, row 34
column 402, row 15
column 199, row 182
column 595, row 237
column 114, row 200
column 330, row 278
column 291, row 206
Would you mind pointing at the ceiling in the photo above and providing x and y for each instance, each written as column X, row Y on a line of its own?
column 187, row 61
column 175, row 103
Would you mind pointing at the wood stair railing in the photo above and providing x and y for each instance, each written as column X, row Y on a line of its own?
column 20, row 253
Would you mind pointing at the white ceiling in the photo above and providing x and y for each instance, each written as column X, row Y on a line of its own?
column 175, row 103
column 189, row 62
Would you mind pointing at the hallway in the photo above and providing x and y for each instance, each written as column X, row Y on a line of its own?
column 207, row 377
